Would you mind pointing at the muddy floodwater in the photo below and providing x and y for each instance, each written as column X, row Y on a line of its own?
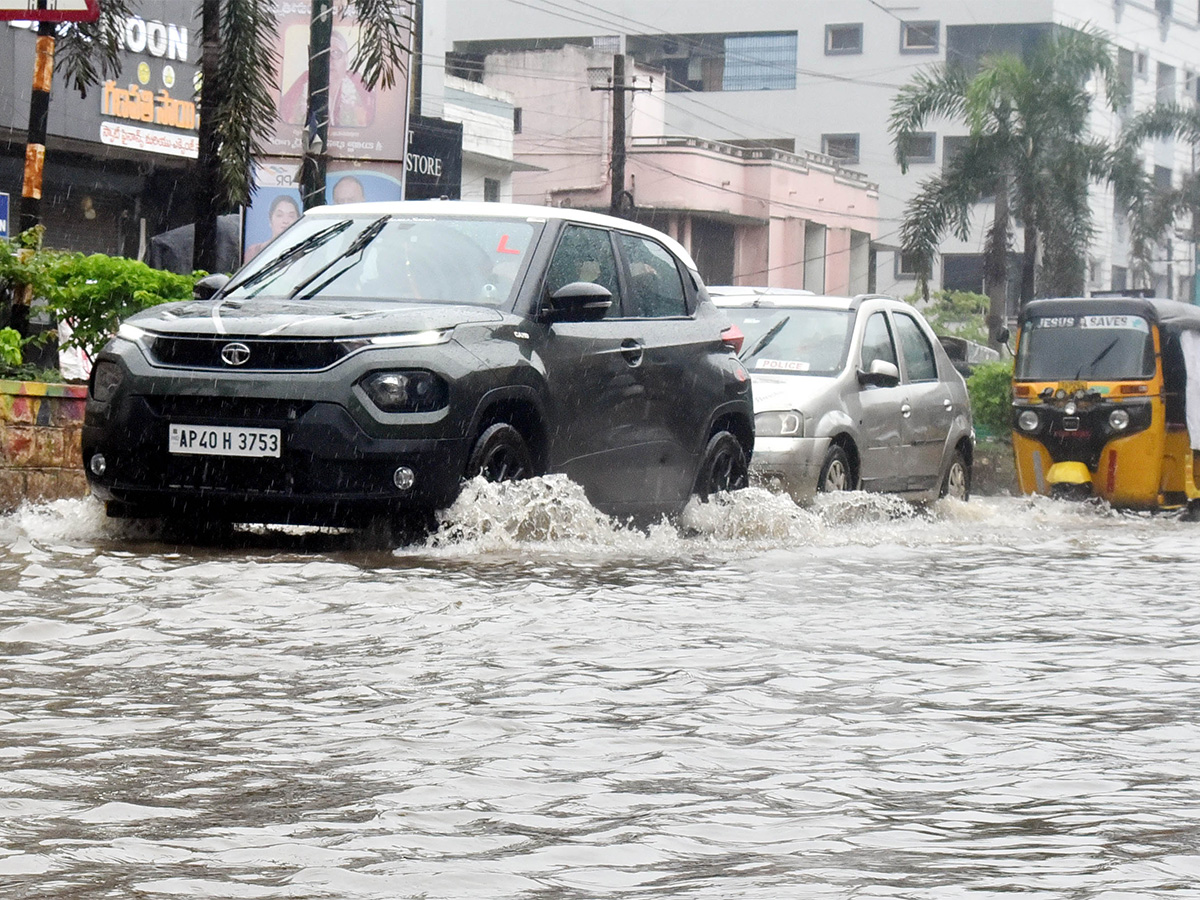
column 859, row 700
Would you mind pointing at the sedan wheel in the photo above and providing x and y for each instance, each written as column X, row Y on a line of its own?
column 835, row 472
column 501, row 454
column 957, row 482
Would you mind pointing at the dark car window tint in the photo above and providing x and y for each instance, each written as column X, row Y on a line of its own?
column 655, row 288
column 584, row 254
column 918, row 352
column 877, row 342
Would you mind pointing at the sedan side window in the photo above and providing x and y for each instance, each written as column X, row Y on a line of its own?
column 918, row 352
column 656, row 290
column 585, row 254
column 877, row 342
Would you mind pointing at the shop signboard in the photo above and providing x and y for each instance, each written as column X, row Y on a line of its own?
column 3, row 215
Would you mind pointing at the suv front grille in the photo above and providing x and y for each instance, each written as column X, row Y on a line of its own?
column 227, row 409
column 290, row 355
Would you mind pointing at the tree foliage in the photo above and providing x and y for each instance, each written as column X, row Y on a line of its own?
column 990, row 388
column 1029, row 145
column 956, row 313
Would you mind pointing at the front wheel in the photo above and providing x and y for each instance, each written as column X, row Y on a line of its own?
column 724, row 467
column 500, row 454
column 835, row 472
column 957, row 481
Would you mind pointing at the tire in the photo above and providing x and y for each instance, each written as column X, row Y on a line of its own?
column 500, row 454
column 836, row 473
column 956, row 483
column 724, row 468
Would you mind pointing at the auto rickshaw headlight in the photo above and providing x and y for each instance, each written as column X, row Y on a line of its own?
column 1118, row 420
column 1028, row 420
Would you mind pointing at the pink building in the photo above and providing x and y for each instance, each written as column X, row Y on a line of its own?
column 752, row 214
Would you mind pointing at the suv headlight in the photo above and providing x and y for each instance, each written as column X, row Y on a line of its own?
column 106, row 378
column 782, row 423
column 407, row 390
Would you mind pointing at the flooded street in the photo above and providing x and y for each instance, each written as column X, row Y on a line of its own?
column 860, row 700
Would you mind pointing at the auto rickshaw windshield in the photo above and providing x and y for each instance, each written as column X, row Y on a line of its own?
column 1085, row 348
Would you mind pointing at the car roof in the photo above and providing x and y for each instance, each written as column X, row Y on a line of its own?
column 740, row 296
column 482, row 210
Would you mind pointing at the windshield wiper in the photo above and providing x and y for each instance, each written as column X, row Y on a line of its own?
column 1103, row 353
column 364, row 237
column 306, row 246
column 765, row 339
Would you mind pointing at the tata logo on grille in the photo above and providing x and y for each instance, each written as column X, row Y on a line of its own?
column 235, row 354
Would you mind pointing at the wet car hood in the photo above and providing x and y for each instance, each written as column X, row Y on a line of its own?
column 790, row 391
column 307, row 318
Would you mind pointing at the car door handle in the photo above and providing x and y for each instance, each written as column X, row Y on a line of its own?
column 632, row 351
column 948, row 404
column 905, row 410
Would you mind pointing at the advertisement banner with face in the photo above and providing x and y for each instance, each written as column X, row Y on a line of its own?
column 363, row 124
column 276, row 203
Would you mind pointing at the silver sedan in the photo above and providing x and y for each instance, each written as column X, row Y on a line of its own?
column 851, row 393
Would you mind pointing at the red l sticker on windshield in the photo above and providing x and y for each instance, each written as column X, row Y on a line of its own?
column 503, row 246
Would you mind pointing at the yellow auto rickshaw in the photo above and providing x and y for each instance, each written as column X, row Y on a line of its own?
column 1106, row 401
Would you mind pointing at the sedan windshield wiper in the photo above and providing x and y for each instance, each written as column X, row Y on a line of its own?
column 306, row 246
column 765, row 339
column 357, row 245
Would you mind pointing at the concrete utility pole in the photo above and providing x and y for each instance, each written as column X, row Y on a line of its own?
column 621, row 201
column 316, row 126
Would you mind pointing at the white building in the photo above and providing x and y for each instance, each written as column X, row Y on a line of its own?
column 820, row 75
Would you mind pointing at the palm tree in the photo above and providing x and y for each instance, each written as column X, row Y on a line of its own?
column 1155, row 209
column 237, row 98
column 1029, row 145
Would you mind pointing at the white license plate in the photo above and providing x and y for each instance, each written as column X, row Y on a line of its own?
column 221, row 440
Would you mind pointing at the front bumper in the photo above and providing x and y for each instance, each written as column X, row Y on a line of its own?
column 329, row 471
column 793, row 464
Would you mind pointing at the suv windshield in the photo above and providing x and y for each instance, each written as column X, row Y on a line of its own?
column 1085, row 348
column 380, row 257
column 797, row 341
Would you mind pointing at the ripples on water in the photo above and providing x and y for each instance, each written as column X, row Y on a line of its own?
column 857, row 700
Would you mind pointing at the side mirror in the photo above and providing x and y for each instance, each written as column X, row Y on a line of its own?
column 881, row 374
column 579, row 301
column 208, row 286
column 1002, row 335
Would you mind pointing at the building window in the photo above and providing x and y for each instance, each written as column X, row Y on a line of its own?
column 1120, row 278
column 919, row 37
column 843, row 39
column 753, row 61
column 516, row 120
column 760, row 62
column 842, row 147
column 491, row 190
column 921, row 148
column 907, row 266
column 1165, row 86
column 1162, row 177
column 1141, row 64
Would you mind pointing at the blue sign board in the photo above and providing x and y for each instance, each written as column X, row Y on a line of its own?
column 3, row 215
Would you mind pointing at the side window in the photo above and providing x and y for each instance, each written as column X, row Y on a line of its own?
column 918, row 352
column 877, row 342
column 585, row 254
column 655, row 288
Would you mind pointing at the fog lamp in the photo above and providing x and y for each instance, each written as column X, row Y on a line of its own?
column 1070, row 408
column 1118, row 420
column 98, row 464
column 1028, row 420
column 404, row 478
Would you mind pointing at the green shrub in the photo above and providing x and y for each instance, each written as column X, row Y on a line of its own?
column 10, row 348
column 956, row 313
column 93, row 293
column 990, row 387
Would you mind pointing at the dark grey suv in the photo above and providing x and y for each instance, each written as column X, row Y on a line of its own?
column 376, row 355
